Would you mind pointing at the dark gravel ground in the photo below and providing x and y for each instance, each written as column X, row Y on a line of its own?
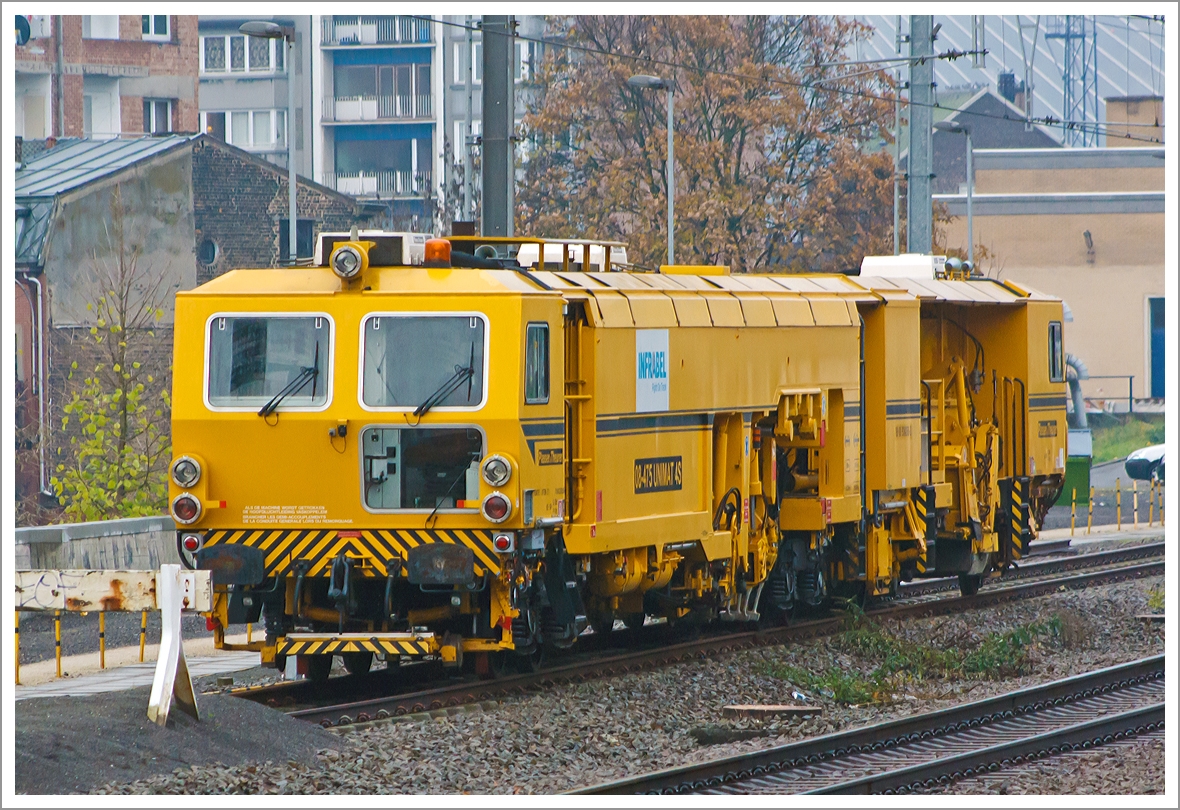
column 79, row 634
column 75, row 744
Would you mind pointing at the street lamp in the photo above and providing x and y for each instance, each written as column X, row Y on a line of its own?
column 643, row 82
column 269, row 30
column 950, row 126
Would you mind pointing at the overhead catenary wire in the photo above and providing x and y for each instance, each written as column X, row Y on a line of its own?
column 822, row 85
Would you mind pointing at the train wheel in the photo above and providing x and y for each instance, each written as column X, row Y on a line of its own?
column 531, row 661
column 357, row 663
column 319, row 667
column 633, row 620
column 969, row 584
column 499, row 665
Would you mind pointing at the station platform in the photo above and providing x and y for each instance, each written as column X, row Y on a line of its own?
column 133, row 675
column 1105, row 533
column 83, row 676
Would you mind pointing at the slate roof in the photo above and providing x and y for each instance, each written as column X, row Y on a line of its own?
column 73, row 165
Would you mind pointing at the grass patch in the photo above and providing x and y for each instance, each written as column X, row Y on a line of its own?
column 998, row 655
column 1117, row 437
column 1155, row 599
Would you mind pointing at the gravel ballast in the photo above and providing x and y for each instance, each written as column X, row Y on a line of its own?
column 581, row 734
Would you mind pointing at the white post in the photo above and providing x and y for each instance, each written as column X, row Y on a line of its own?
column 172, row 679
column 970, row 184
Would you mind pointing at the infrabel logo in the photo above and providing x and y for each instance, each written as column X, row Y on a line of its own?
column 651, row 370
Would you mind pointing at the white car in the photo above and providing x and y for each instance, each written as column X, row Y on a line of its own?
column 1146, row 463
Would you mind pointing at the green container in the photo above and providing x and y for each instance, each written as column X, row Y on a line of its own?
column 1077, row 468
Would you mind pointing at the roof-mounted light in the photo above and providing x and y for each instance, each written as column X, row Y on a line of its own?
column 350, row 259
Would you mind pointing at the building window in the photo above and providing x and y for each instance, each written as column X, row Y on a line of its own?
column 459, row 147
column 304, row 238
column 207, row 252
column 536, row 364
column 237, row 53
column 213, row 54
column 256, row 56
column 524, row 60
column 155, row 26
column 1056, row 353
column 157, row 116
column 263, row 130
column 104, row 26
column 213, row 123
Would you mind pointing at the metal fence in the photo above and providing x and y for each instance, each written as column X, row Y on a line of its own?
column 399, row 30
column 385, row 183
column 345, row 109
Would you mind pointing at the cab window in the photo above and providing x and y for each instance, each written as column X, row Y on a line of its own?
column 254, row 358
column 415, row 360
column 1056, row 353
column 536, row 364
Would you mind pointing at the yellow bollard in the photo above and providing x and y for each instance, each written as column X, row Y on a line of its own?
column 1090, row 514
column 102, row 640
column 1073, row 511
column 1151, row 505
column 17, row 647
column 1135, row 502
column 142, row 635
column 249, row 632
column 1118, row 504
column 1161, row 496
column 57, row 639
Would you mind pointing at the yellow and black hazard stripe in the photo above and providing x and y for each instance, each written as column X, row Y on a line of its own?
column 1016, row 527
column 318, row 547
column 337, row 646
column 1019, row 512
column 926, row 523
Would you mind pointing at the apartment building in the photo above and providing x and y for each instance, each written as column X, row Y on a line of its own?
column 244, row 88
column 376, row 88
column 100, row 76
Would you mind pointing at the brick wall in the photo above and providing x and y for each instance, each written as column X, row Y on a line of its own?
column 176, row 57
column 240, row 200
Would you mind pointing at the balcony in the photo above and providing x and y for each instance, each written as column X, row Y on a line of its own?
column 385, row 183
column 362, row 109
column 360, row 31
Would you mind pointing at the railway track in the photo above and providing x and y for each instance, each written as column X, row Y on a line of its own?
column 937, row 748
column 1118, row 565
column 1040, row 568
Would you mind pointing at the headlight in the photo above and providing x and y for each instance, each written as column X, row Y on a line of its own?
column 186, row 509
column 186, row 471
column 496, row 508
column 347, row 261
column 497, row 470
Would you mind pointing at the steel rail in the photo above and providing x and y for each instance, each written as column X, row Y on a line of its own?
column 989, row 734
column 450, row 695
column 1041, row 568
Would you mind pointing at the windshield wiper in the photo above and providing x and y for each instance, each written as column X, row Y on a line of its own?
column 463, row 374
column 305, row 376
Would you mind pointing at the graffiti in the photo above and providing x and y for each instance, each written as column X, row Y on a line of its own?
column 48, row 591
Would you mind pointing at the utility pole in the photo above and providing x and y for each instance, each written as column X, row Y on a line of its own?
column 468, row 142
column 919, row 204
column 897, row 151
column 499, row 118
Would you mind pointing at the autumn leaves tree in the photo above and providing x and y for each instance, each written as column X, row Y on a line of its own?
column 772, row 171
column 117, row 419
